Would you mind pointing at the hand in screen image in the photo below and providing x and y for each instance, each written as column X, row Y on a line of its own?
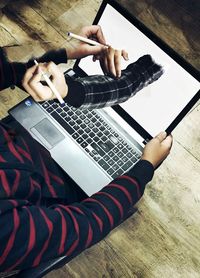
column 104, row 90
column 110, row 61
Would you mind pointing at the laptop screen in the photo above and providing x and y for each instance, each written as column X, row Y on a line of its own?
column 162, row 104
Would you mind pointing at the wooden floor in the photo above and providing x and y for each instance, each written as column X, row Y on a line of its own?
column 162, row 239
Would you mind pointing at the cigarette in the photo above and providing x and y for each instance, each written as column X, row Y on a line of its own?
column 51, row 85
column 86, row 40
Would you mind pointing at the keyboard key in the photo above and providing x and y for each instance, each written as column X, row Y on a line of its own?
column 63, row 114
column 96, row 139
column 55, row 105
column 84, row 145
column 111, row 154
column 106, row 132
column 115, row 158
column 115, row 167
column 62, row 122
column 79, row 140
column 120, row 146
column 120, row 154
column 115, row 150
column 83, row 126
column 117, row 174
column 82, row 117
column 110, row 144
column 86, row 121
column 106, row 157
column 76, row 127
column 124, row 158
column 49, row 109
column 79, row 122
column 91, row 125
column 80, row 131
column 103, row 164
column 66, row 108
column 104, row 146
column 91, row 134
column 75, row 135
column 98, row 149
column 59, row 110
column 127, row 165
column 138, row 155
column 113, row 139
column 111, row 162
column 89, row 140
column 129, row 155
column 85, row 135
column 125, row 150
column 45, row 105
column 110, row 172
column 71, row 123
column 102, row 128
column 74, row 117
column 95, row 130
column 70, row 113
column 134, row 159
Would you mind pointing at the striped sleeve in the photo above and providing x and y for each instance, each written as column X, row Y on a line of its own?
column 11, row 73
column 97, row 91
column 32, row 234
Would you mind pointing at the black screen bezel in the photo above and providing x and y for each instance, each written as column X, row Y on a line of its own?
column 166, row 48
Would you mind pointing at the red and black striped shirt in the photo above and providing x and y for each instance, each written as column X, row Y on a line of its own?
column 32, row 231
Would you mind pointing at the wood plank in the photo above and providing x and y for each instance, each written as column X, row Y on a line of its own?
column 66, row 22
column 188, row 134
column 34, row 25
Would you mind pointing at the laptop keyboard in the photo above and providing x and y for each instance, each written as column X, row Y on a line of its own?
column 96, row 137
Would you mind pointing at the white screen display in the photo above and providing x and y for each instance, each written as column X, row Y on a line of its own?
column 157, row 105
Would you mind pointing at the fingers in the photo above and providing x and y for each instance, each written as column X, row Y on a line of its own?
column 94, row 31
column 125, row 55
column 33, row 85
column 161, row 136
column 32, row 76
column 168, row 141
column 111, row 61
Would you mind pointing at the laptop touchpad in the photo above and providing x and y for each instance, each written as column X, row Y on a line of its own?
column 47, row 133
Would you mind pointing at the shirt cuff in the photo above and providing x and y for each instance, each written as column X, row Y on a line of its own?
column 76, row 94
column 143, row 172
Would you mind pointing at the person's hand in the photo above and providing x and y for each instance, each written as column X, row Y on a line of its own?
column 157, row 149
column 33, row 84
column 110, row 58
column 110, row 61
column 83, row 49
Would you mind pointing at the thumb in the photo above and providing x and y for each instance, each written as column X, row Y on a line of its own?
column 168, row 141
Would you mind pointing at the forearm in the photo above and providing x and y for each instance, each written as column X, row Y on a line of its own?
column 67, row 230
column 98, row 91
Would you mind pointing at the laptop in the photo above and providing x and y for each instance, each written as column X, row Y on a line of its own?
column 95, row 146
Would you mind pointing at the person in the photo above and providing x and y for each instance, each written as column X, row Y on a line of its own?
column 43, row 214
